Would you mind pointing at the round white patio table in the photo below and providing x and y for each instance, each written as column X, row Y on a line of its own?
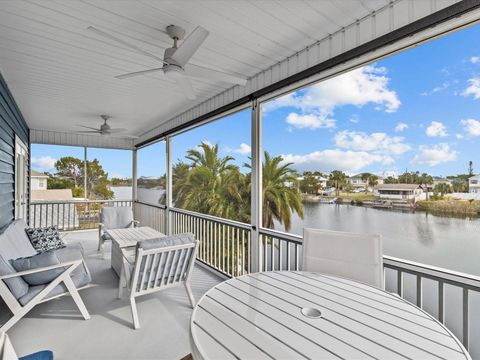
column 296, row 315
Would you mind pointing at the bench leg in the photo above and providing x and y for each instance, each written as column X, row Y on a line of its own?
column 136, row 321
column 190, row 295
column 76, row 296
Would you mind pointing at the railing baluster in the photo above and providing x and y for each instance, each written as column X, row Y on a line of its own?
column 419, row 291
column 400, row 283
column 223, row 247
column 441, row 302
column 243, row 252
column 466, row 320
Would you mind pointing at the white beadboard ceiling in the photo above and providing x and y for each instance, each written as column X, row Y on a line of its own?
column 61, row 74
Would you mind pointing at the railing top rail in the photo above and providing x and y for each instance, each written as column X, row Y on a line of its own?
column 160, row 206
column 228, row 222
column 79, row 201
column 433, row 272
column 282, row 235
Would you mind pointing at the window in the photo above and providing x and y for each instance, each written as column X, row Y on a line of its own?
column 211, row 168
column 406, row 119
column 151, row 173
column 109, row 174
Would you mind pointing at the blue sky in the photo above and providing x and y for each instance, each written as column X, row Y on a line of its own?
column 417, row 110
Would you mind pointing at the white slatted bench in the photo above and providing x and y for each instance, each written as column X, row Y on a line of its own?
column 295, row 315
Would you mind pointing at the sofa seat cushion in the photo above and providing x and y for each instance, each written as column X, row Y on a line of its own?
column 18, row 287
column 45, row 238
column 79, row 280
column 73, row 251
column 14, row 242
column 47, row 258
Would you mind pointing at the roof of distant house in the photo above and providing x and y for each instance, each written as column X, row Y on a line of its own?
column 34, row 173
column 52, row 194
column 474, row 177
column 397, row 187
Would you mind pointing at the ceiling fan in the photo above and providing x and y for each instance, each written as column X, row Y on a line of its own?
column 175, row 59
column 104, row 129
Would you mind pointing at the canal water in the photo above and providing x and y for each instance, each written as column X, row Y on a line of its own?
column 448, row 242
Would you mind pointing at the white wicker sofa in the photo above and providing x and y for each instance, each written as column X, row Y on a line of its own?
column 21, row 297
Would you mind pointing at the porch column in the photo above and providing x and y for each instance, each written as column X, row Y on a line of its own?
column 168, row 190
column 85, row 183
column 256, row 199
column 134, row 176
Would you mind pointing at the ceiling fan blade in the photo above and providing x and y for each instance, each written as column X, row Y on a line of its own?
column 190, row 45
column 116, row 131
column 186, row 87
column 120, row 41
column 137, row 73
column 88, row 127
column 206, row 73
column 87, row 132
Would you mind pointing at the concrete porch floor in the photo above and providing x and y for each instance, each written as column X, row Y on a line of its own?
column 58, row 326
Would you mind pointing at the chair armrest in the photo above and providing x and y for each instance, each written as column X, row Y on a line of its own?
column 135, row 223
column 101, row 225
column 74, row 263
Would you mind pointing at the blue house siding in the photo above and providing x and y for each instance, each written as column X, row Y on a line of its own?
column 11, row 124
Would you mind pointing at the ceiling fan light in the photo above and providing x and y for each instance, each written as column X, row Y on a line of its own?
column 173, row 72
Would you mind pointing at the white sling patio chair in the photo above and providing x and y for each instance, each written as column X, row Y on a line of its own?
column 61, row 285
column 114, row 217
column 158, row 264
column 353, row 256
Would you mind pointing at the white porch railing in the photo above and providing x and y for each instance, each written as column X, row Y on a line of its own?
column 69, row 215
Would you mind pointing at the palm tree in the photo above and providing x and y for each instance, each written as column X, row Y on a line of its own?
column 212, row 185
column 280, row 194
column 372, row 181
column 338, row 178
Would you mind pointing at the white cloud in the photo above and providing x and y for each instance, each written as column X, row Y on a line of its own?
column 401, row 127
column 243, row 149
column 354, row 119
column 435, row 155
column 459, row 136
column 475, row 59
column 473, row 89
column 436, row 129
column 471, row 126
column 377, row 142
column 335, row 159
column 358, row 87
column 309, row 121
column 44, row 162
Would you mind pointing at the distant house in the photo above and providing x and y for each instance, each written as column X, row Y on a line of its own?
column 440, row 180
column 399, row 191
column 322, row 180
column 53, row 206
column 358, row 183
column 474, row 184
column 38, row 180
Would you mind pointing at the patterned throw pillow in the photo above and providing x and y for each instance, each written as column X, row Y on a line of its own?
column 44, row 239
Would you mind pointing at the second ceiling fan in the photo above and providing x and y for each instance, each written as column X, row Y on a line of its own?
column 175, row 59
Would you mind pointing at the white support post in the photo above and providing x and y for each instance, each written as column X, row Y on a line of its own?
column 134, row 180
column 256, row 200
column 168, row 200
column 85, row 183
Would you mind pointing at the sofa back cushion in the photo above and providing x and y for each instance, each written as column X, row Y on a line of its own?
column 18, row 287
column 14, row 242
column 34, row 262
column 116, row 217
